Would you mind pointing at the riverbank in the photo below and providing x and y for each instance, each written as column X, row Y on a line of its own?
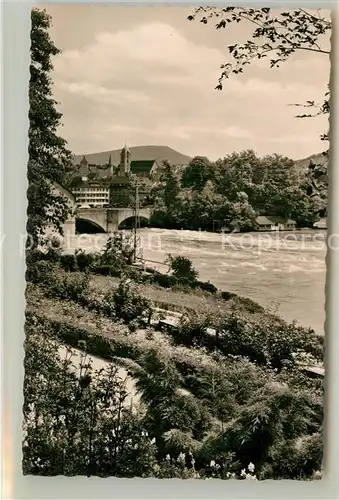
column 189, row 388
column 283, row 275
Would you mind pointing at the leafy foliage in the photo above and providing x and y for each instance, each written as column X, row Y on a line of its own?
column 182, row 267
column 126, row 303
column 49, row 159
column 68, row 287
column 233, row 191
column 78, row 423
column 118, row 251
column 275, row 36
column 210, row 413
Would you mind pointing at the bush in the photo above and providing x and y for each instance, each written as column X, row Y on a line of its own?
column 118, row 252
column 228, row 295
column 40, row 272
column 68, row 334
column 34, row 255
column 53, row 255
column 68, row 288
column 86, row 260
column 106, row 270
column 164, row 280
column 192, row 331
column 128, row 305
column 182, row 267
column 207, row 287
column 68, row 262
column 61, row 435
column 268, row 340
column 249, row 305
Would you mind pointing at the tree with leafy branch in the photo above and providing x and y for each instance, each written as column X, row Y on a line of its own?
column 49, row 158
column 276, row 36
column 182, row 267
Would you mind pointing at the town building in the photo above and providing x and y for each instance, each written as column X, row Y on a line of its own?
column 120, row 185
column 141, row 168
column 92, row 194
column 274, row 223
column 146, row 168
column 103, row 185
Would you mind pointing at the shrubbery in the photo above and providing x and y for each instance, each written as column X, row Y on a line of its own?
column 40, row 272
column 68, row 287
column 233, row 413
column 118, row 251
column 126, row 304
column 235, row 396
column 79, row 425
column 267, row 341
column 182, row 267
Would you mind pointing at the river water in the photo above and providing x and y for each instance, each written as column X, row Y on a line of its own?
column 281, row 271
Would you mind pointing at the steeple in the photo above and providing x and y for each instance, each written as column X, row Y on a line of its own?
column 110, row 166
column 83, row 166
column 84, row 162
column 125, row 161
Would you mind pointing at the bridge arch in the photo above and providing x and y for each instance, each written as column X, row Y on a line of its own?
column 128, row 222
column 87, row 226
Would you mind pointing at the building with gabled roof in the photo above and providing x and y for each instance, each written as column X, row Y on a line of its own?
column 145, row 168
column 274, row 223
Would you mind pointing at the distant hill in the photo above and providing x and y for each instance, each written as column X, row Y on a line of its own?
column 138, row 153
column 318, row 159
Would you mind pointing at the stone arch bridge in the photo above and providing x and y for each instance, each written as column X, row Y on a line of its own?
column 109, row 219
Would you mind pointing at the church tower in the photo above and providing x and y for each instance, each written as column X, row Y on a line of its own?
column 125, row 161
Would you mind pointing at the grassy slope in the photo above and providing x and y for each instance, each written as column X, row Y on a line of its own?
column 73, row 314
column 180, row 300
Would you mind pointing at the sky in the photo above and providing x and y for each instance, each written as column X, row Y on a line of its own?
column 146, row 75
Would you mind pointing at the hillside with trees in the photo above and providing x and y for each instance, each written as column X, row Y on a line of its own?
column 234, row 190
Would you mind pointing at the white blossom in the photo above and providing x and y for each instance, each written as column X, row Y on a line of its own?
column 168, row 457
column 250, row 467
column 212, row 463
column 243, row 473
column 250, row 476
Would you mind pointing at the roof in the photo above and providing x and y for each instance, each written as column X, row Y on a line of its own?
column 89, row 184
column 102, row 172
column 120, row 179
column 264, row 220
column 140, row 167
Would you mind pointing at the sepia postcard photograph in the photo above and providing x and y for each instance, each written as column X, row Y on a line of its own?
column 177, row 208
